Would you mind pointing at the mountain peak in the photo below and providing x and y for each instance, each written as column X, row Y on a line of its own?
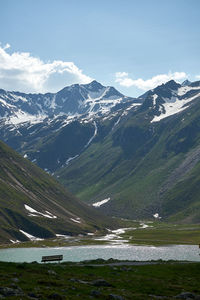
column 171, row 84
column 186, row 82
column 94, row 85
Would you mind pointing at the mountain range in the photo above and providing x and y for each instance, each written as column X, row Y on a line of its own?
column 141, row 154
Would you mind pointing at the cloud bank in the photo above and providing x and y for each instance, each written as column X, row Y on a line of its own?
column 124, row 80
column 26, row 73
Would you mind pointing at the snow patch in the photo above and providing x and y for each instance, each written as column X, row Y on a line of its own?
column 53, row 102
column 14, row 242
column 98, row 204
column 184, row 89
column 95, row 133
column 63, row 236
column 18, row 98
column 35, row 213
column 143, row 225
column 70, row 158
column 5, row 104
column 22, row 117
column 114, row 236
column 77, row 220
column 154, row 99
column 156, row 216
column 30, row 237
column 173, row 107
column 119, row 231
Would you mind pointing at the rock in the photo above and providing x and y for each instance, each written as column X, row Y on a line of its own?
column 56, row 296
column 8, row 292
column 79, row 281
column 158, row 297
column 51, row 272
column 15, row 279
column 14, row 286
column 100, row 282
column 186, row 295
column 95, row 293
column 32, row 295
column 124, row 269
column 116, row 297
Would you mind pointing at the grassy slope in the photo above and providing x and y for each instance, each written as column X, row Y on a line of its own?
column 133, row 164
column 74, row 281
column 183, row 201
column 21, row 183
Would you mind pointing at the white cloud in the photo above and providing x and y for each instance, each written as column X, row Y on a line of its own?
column 121, row 74
column 123, row 79
column 24, row 72
column 197, row 77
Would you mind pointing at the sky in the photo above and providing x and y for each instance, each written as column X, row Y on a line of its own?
column 133, row 45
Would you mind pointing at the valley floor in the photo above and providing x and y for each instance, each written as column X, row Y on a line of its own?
column 135, row 233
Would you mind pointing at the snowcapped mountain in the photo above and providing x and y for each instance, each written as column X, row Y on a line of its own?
column 53, row 129
column 148, row 161
column 102, row 144
column 75, row 100
column 170, row 98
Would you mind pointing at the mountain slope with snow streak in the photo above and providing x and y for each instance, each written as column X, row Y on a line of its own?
column 101, row 144
column 171, row 98
column 147, row 154
column 33, row 206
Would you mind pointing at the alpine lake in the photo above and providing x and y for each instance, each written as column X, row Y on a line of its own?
column 148, row 261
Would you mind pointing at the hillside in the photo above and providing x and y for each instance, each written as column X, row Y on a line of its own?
column 149, row 163
column 34, row 206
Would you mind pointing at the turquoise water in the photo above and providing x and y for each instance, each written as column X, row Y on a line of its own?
column 121, row 252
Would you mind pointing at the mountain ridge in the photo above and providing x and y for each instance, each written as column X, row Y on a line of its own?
column 125, row 152
column 71, row 100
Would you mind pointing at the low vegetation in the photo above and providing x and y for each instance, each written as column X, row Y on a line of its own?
column 99, row 279
column 165, row 234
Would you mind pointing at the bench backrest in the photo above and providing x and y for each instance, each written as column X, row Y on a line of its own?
column 52, row 258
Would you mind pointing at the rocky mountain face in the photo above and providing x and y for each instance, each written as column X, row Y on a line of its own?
column 133, row 153
column 78, row 99
column 34, row 206
column 53, row 129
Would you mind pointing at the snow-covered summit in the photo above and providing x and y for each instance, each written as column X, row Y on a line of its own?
column 171, row 98
column 94, row 100
column 77, row 99
column 186, row 82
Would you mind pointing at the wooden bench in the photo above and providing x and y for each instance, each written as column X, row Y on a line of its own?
column 52, row 258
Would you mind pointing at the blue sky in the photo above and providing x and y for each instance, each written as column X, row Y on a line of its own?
column 132, row 45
